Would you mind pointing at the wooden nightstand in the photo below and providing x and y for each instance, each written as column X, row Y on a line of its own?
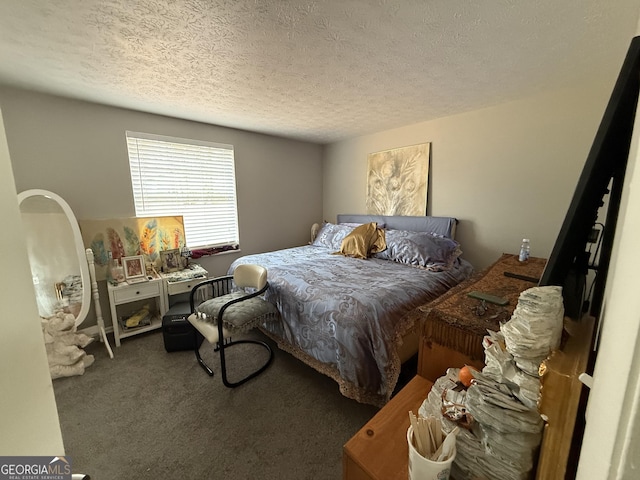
column 451, row 331
column 379, row 450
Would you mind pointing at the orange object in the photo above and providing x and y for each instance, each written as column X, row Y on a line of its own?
column 465, row 376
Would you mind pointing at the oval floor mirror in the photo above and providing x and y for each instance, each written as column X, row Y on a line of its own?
column 62, row 270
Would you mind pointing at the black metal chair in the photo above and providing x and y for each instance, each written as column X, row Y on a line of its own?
column 235, row 306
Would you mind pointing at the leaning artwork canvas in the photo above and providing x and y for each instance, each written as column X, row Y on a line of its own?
column 147, row 236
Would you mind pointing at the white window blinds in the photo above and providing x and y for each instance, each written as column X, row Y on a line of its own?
column 174, row 176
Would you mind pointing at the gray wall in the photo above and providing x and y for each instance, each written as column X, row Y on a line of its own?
column 78, row 150
column 505, row 172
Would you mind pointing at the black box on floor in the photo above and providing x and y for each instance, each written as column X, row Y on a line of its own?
column 177, row 332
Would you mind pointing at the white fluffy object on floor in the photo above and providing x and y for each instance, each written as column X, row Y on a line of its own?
column 64, row 346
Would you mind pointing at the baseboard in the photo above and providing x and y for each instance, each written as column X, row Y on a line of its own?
column 94, row 331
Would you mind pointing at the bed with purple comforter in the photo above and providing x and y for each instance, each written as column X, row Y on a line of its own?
column 346, row 316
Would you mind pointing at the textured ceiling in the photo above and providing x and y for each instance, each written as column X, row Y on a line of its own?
column 314, row 70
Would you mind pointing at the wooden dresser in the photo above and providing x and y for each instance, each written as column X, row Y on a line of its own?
column 379, row 450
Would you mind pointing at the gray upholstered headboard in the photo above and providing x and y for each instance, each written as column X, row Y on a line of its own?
column 441, row 225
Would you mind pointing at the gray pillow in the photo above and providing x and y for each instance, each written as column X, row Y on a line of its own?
column 331, row 236
column 420, row 249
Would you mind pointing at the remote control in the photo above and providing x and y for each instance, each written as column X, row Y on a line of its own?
column 521, row 277
column 488, row 298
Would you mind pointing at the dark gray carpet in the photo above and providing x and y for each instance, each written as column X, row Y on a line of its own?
column 149, row 414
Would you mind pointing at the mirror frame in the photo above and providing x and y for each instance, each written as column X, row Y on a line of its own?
column 79, row 246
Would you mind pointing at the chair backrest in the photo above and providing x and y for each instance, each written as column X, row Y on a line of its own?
column 250, row 275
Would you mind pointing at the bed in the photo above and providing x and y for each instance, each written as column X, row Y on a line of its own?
column 349, row 317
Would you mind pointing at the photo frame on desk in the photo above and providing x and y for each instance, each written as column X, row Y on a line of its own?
column 134, row 269
column 171, row 260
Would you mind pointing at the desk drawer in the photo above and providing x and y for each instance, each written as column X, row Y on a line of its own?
column 133, row 292
column 185, row 286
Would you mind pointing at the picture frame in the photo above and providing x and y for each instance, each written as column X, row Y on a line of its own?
column 171, row 260
column 134, row 268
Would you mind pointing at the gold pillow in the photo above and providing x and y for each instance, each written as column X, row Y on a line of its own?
column 363, row 241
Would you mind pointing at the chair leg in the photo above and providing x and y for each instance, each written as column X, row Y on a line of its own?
column 204, row 366
column 223, row 364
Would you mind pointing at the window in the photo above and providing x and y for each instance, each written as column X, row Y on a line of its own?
column 174, row 176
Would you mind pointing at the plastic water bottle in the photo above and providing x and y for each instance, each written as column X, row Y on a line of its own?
column 525, row 248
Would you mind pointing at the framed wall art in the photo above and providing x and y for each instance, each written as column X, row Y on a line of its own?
column 398, row 180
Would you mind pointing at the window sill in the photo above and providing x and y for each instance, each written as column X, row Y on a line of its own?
column 209, row 252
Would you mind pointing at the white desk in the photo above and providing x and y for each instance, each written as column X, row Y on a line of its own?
column 181, row 282
column 126, row 299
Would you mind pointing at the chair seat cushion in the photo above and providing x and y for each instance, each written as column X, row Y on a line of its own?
column 207, row 329
column 239, row 317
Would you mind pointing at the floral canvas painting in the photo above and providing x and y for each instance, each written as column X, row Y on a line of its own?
column 397, row 181
column 125, row 237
